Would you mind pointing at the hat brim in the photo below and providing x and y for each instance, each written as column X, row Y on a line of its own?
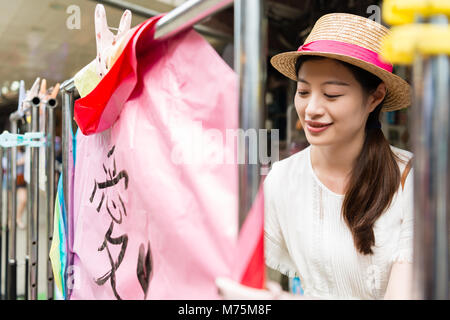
column 398, row 91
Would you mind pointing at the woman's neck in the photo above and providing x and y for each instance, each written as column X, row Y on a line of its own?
column 337, row 160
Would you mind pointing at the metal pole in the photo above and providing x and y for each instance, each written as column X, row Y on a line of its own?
column 442, row 182
column 12, row 263
column 186, row 15
column 147, row 13
column 431, row 118
column 34, row 217
column 1, row 220
column 50, row 186
column 67, row 91
column 250, row 60
column 289, row 125
column 8, row 213
column 14, row 118
column 28, row 218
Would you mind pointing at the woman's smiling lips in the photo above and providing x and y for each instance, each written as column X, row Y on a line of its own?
column 315, row 126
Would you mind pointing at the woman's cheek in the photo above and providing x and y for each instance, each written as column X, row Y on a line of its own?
column 348, row 116
column 300, row 107
column 345, row 108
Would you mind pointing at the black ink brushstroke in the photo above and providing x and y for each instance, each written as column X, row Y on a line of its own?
column 116, row 241
column 111, row 151
column 119, row 220
column 123, row 206
column 109, row 232
column 93, row 191
column 144, row 269
column 111, row 275
column 101, row 203
column 114, row 181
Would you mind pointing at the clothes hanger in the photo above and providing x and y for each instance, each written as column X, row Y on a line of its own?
column 34, row 91
column 45, row 94
column 25, row 105
column 8, row 139
column 107, row 42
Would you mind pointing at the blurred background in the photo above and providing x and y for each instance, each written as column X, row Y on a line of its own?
column 37, row 39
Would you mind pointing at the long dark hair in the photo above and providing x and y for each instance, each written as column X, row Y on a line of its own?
column 375, row 177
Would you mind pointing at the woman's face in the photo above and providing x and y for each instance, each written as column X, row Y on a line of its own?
column 330, row 102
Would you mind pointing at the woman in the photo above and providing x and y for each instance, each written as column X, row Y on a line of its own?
column 338, row 214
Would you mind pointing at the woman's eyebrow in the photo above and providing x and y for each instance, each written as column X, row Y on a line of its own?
column 302, row 80
column 339, row 83
column 336, row 82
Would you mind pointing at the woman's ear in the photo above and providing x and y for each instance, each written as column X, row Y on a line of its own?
column 376, row 97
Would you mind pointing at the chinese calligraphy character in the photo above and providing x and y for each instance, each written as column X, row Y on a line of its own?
column 118, row 207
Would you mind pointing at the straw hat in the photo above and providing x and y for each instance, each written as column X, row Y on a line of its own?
column 355, row 40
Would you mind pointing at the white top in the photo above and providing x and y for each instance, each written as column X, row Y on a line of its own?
column 306, row 236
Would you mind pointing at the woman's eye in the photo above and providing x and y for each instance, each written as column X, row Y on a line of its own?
column 303, row 93
column 332, row 96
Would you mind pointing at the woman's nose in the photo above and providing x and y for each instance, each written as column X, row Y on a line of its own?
column 314, row 107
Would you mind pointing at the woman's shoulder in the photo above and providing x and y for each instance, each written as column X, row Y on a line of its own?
column 403, row 155
column 290, row 163
column 402, row 152
column 283, row 170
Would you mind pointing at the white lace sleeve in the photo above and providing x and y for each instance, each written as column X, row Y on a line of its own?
column 276, row 253
column 404, row 251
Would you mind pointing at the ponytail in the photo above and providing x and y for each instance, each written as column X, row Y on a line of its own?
column 374, row 180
